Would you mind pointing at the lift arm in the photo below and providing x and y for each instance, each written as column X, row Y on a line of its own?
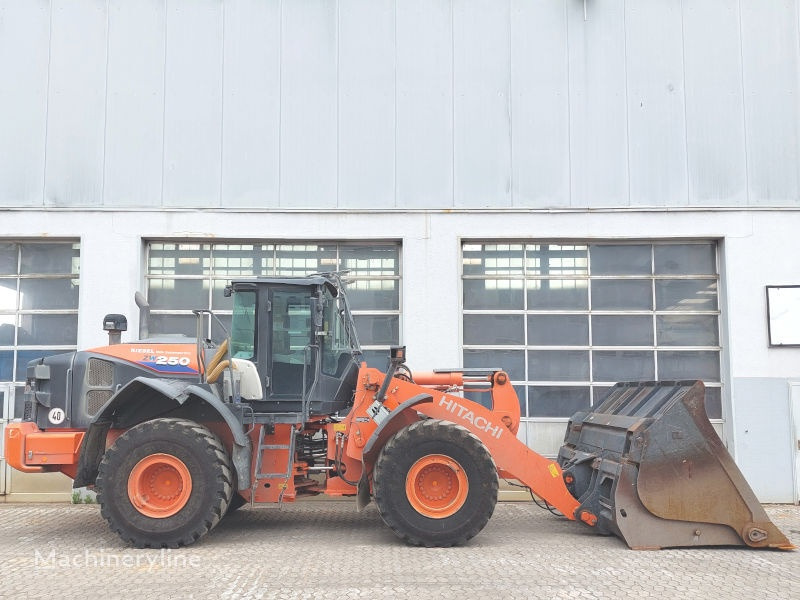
column 495, row 427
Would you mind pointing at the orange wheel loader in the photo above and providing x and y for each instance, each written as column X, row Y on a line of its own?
column 173, row 433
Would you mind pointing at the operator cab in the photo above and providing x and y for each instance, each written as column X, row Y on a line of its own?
column 299, row 333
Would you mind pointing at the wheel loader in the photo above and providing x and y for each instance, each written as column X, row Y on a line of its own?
column 174, row 432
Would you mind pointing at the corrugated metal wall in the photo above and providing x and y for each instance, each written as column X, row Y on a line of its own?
column 399, row 103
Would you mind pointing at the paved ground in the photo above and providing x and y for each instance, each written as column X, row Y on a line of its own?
column 327, row 550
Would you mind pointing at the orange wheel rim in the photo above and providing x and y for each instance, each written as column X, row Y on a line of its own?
column 159, row 485
column 437, row 486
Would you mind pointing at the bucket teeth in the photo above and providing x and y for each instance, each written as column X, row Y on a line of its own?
column 649, row 464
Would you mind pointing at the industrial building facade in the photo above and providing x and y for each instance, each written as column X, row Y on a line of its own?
column 578, row 192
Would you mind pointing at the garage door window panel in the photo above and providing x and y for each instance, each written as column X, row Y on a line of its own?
column 48, row 294
column 494, row 330
column 512, row 361
column 685, row 259
column 689, row 365
column 558, row 330
column 39, row 291
column 687, row 330
column 622, row 294
column 596, row 313
column 622, row 330
column 46, row 329
column 184, row 276
column 623, row 365
column 686, row 295
column 558, row 365
column 554, row 401
column 619, row 259
column 495, row 294
column 557, row 294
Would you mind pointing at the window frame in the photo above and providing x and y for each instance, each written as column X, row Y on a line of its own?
column 272, row 254
column 18, row 312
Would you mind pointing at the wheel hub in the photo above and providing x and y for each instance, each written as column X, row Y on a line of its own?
column 159, row 485
column 436, row 486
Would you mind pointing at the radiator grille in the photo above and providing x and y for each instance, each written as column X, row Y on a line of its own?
column 95, row 399
column 100, row 373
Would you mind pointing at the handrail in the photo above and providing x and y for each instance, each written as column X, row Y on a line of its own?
column 222, row 359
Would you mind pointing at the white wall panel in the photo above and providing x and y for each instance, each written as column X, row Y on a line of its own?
column 539, row 103
column 134, row 133
column 656, row 111
column 251, row 103
column 772, row 109
column 544, row 437
column 193, row 103
column 309, row 104
column 24, row 50
column 412, row 103
column 714, row 103
column 76, row 103
column 424, row 145
column 598, row 107
column 366, row 103
column 482, row 103
column 763, row 435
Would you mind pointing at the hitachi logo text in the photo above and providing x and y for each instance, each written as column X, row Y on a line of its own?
column 477, row 421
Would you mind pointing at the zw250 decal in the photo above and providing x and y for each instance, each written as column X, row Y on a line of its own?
column 173, row 359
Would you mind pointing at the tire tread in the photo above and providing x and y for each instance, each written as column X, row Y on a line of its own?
column 387, row 469
column 173, row 430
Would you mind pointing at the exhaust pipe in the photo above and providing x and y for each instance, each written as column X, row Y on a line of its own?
column 144, row 315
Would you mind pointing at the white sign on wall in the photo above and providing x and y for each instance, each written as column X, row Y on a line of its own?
column 783, row 314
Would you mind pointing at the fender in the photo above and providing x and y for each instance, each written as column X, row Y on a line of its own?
column 400, row 417
column 146, row 398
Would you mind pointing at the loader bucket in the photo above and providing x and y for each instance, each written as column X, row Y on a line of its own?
column 650, row 466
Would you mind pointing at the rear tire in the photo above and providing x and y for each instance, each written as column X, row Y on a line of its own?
column 435, row 484
column 165, row 483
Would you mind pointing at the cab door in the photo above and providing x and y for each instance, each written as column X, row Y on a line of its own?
column 291, row 337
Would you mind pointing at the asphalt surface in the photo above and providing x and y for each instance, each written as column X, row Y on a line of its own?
column 328, row 550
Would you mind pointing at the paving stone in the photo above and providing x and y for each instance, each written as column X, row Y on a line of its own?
column 328, row 550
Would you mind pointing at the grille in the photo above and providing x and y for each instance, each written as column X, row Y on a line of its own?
column 95, row 400
column 100, row 373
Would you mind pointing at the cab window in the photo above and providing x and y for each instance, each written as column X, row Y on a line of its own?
column 336, row 344
column 243, row 325
column 291, row 335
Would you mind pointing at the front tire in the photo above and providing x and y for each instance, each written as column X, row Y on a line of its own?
column 435, row 484
column 165, row 483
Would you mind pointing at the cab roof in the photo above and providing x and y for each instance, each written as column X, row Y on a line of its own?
column 332, row 283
